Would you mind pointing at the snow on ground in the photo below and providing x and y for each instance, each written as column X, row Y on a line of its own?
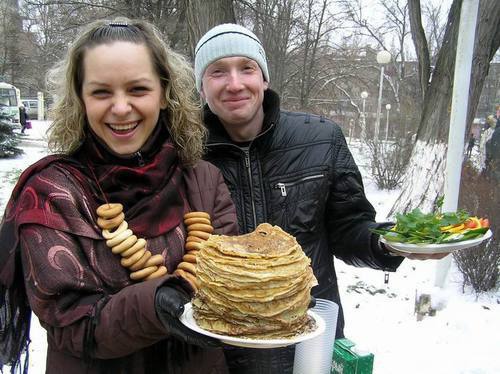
column 34, row 147
column 463, row 338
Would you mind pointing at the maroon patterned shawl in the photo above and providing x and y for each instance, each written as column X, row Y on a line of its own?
column 148, row 184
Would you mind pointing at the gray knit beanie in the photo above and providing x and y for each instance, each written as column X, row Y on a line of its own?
column 228, row 40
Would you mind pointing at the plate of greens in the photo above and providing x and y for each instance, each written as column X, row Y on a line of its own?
column 436, row 248
column 436, row 232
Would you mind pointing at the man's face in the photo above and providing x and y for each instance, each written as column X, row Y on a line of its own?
column 233, row 88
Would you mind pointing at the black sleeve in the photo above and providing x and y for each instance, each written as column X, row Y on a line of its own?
column 350, row 217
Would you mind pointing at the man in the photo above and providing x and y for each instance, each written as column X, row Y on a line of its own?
column 492, row 149
column 293, row 170
column 470, row 144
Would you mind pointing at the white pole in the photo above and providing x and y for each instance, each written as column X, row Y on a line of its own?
column 350, row 130
column 387, row 126
column 363, row 127
column 387, row 108
column 364, row 95
column 379, row 105
column 458, row 117
column 41, row 106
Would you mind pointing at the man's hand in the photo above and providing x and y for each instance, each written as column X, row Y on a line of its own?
column 416, row 256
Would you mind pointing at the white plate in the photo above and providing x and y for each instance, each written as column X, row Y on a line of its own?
column 436, row 248
column 188, row 320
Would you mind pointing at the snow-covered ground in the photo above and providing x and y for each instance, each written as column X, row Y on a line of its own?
column 463, row 338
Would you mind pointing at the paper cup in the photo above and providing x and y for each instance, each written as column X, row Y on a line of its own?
column 315, row 355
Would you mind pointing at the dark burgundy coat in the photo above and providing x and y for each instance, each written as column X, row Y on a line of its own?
column 128, row 335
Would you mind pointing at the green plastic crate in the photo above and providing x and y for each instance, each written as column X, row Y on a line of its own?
column 347, row 360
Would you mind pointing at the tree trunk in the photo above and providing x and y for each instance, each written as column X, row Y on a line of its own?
column 273, row 23
column 303, row 97
column 420, row 41
column 202, row 15
column 427, row 162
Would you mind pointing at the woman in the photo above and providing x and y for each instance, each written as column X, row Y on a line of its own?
column 23, row 118
column 128, row 128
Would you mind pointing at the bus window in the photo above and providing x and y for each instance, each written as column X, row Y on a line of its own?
column 9, row 104
column 8, row 97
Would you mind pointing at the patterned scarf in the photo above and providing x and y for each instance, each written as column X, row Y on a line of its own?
column 148, row 184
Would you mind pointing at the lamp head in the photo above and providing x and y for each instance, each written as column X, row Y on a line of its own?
column 383, row 57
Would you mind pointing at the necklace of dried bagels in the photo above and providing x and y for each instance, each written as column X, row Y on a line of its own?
column 142, row 264
column 199, row 229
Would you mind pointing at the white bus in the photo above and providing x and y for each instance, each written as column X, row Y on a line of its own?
column 10, row 99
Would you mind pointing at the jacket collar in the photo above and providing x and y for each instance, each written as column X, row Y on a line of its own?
column 217, row 132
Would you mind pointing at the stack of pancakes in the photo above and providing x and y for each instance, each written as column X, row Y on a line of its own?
column 255, row 285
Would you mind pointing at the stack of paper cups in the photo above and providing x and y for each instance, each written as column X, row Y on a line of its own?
column 315, row 355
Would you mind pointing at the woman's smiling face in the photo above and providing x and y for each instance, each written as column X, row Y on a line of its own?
column 122, row 94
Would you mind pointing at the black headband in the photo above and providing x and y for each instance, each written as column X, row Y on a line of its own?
column 118, row 24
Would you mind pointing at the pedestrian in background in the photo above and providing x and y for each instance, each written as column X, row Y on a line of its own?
column 23, row 118
column 492, row 149
column 486, row 135
column 470, row 144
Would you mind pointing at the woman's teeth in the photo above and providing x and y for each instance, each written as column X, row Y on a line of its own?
column 127, row 127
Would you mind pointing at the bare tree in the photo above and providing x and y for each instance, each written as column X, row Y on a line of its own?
column 274, row 23
column 433, row 129
column 354, row 11
column 310, row 55
column 295, row 35
column 420, row 41
column 11, row 29
column 203, row 15
column 312, row 33
column 435, row 28
column 395, row 26
column 51, row 25
column 397, row 15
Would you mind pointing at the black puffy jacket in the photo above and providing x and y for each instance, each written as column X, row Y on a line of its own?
column 299, row 174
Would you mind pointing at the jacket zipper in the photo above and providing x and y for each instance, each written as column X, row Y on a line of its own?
column 247, row 165
column 249, row 170
column 283, row 186
column 140, row 159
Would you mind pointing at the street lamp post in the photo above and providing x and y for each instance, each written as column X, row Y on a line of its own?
column 383, row 58
column 351, row 129
column 387, row 108
column 364, row 95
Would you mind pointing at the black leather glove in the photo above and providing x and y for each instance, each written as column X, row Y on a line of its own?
column 169, row 305
column 312, row 302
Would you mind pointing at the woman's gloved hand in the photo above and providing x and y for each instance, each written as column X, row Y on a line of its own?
column 169, row 305
column 312, row 302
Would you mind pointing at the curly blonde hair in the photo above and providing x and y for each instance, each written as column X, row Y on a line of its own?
column 183, row 111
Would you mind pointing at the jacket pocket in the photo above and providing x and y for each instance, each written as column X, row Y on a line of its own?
column 298, row 201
